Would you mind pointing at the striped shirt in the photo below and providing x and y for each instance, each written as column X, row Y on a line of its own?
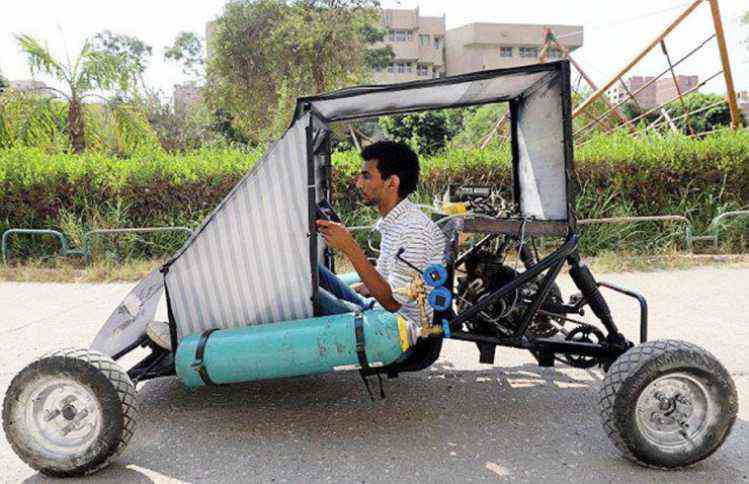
column 406, row 226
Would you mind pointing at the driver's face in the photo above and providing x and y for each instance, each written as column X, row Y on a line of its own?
column 370, row 183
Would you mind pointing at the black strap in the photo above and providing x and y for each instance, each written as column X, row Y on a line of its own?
column 199, row 353
column 362, row 355
column 360, row 343
column 382, row 391
column 366, row 385
column 361, row 350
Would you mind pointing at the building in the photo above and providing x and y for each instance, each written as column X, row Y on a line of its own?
column 742, row 97
column 481, row 46
column 425, row 49
column 652, row 94
column 210, row 31
column 186, row 96
column 28, row 85
column 418, row 43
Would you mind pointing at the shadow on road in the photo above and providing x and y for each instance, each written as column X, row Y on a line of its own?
column 518, row 423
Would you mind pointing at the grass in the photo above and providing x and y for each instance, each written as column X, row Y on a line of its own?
column 66, row 271
column 611, row 262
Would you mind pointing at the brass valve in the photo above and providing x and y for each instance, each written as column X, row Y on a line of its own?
column 416, row 291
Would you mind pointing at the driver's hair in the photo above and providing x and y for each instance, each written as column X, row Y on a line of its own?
column 395, row 159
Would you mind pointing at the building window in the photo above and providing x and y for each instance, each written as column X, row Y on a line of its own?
column 505, row 51
column 423, row 70
column 401, row 67
column 437, row 42
column 554, row 53
column 391, row 68
column 529, row 52
column 409, row 67
column 424, row 39
column 400, row 36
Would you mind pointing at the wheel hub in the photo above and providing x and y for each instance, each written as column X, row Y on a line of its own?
column 673, row 410
column 69, row 412
column 63, row 416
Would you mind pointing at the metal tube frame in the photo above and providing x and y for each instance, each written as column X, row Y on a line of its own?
column 544, row 348
column 311, row 212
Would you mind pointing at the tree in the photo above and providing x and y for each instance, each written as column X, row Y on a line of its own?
column 93, row 69
column 428, row 132
column 708, row 119
column 3, row 82
column 376, row 58
column 266, row 53
column 187, row 51
column 134, row 53
column 478, row 122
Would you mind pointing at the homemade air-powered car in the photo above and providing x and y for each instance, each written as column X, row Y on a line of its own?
column 242, row 295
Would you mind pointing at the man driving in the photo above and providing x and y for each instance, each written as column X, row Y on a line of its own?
column 389, row 174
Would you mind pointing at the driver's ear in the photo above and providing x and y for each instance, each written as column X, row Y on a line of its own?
column 394, row 182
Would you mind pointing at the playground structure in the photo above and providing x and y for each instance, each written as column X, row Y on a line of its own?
column 612, row 117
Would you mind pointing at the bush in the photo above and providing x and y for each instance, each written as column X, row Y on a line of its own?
column 616, row 176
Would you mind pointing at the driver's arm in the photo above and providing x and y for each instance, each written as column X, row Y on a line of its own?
column 377, row 285
column 338, row 237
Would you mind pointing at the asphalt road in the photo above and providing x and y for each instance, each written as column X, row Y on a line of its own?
column 457, row 421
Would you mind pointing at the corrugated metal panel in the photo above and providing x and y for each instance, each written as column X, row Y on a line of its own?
column 249, row 262
column 543, row 191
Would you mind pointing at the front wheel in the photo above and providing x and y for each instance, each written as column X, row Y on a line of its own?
column 70, row 412
column 668, row 404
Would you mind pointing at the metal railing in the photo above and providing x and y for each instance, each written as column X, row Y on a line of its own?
column 715, row 226
column 64, row 247
column 65, row 250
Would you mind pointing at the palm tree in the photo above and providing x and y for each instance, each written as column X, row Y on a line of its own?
column 92, row 70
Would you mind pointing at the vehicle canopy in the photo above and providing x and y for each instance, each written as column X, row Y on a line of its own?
column 253, row 260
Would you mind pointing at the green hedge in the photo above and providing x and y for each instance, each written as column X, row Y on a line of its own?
column 616, row 176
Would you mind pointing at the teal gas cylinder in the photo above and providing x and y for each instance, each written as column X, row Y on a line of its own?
column 349, row 278
column 291, row 348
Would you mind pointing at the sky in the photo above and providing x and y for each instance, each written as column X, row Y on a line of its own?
column 614, row 32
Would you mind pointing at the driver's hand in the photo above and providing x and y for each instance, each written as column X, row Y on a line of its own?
column 361, row 289
column 336, row 235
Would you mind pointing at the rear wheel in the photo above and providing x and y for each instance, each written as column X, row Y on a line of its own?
column 70, row 412
column 668, row 404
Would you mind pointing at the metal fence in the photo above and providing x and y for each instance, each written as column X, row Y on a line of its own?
column 714, row 229
column 85, row 252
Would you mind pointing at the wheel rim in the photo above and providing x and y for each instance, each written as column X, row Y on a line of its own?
column 63, row 417
column 675, row 411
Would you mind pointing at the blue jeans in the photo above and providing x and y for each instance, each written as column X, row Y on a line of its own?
column 336, row 297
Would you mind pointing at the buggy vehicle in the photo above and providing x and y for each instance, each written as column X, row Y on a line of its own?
column 242, row 295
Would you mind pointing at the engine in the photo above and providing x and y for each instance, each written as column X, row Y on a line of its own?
column 485, row 272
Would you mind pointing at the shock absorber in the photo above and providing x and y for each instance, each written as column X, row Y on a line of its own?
column 587, row 284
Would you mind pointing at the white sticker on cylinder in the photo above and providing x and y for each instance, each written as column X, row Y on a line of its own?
column 375, row 364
